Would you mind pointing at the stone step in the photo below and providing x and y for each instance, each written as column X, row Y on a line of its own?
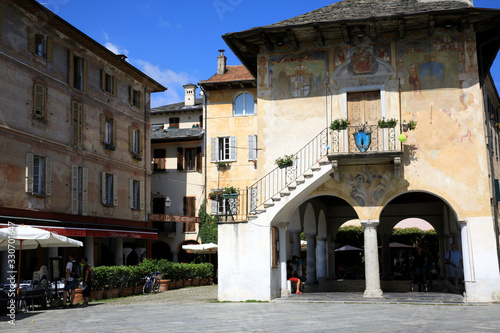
column 260, row 211
column 252, row 217
column 284, row 194
column 269, row 204
column 292, row 187
column 315, row 168
column 300, row 181
column 323, row 162
column 308, row 175
column 276, row 198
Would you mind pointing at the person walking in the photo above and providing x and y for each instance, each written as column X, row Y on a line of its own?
column 419, row 263
column 454, row 260
column 69, row 282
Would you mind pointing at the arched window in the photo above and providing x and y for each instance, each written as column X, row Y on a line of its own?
column 244, row 105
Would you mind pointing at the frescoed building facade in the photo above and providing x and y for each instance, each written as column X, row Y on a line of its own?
column 424, row 64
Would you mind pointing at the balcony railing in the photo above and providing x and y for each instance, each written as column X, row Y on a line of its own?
column 381, row 140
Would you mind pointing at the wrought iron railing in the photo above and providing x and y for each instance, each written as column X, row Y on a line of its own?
column 276, row 181
column 381, row 140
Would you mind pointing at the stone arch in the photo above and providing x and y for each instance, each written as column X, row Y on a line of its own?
column 182, row 255
column 309, row 221
column 161, row 250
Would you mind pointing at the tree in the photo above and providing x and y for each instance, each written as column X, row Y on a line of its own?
column 208, row 225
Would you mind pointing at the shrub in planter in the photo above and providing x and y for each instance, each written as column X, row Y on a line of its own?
column 285, row 161
column 339, row 124
column 390, row 123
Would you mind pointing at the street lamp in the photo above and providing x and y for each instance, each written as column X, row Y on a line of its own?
column 168, row 202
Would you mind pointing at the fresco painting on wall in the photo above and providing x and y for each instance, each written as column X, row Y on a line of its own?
column 298, row 75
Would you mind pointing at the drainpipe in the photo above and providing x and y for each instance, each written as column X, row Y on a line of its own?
column 205, row 143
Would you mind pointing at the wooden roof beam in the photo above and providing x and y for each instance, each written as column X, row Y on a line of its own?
column 432, row 25
column 345, row 33
column 293, row 39
column 320, row 41
column 267, row 41
column 401, row 29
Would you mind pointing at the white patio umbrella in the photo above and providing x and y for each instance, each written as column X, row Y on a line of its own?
column 208, row 248
column 348, row 248
column 24, row 237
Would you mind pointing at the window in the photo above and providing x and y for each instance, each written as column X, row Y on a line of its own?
column 38, row 174
column 77, row 72
column 189, row 159
column 79, row 190
column 135, row 141
column 76, row 125
column 189, row 209
column 135, row 98
column 252, row 147
column 136, row 194
column 243, row 105
column 363, row 109
column 173, row 122
column 39, row 98
column 108, row 83
column 39, row 44
column 159, row 160
column 223, row 149
column 108, row 132
column 109, row 189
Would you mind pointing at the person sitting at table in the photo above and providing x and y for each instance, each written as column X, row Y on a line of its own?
column 290, row 274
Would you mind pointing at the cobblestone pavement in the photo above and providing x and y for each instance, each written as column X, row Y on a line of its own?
column 196, row 309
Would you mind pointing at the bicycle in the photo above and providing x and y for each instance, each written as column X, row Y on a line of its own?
column 152, row 284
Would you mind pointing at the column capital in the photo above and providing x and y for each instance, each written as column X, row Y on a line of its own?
column 294, row 231
column 310, row 234
column 282, row 225
column 369, row 223
column 321, row 238
column 463, row 222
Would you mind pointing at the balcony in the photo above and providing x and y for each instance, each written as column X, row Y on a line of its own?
column 377, row 146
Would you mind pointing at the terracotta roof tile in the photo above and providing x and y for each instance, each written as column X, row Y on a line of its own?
column 232, row 74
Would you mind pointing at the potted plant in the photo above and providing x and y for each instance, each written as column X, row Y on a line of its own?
column 391, row 123
column 410, row 125
column 285, row 161
column 222, row 165
column 339, row 124
column 229, row 192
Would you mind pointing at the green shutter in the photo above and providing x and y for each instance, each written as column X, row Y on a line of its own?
column 497, row 190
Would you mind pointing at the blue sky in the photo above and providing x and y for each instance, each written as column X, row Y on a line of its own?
column 176, row 41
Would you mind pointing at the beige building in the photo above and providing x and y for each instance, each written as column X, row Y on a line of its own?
column 421, row 141
column 74, row 133
column 177, row 180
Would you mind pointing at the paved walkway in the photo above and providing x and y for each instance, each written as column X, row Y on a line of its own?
column 196, row 309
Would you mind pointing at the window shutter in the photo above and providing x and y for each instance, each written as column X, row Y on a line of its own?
column 141, row 144
column 115, row 142
column 103, row 127
column 103, row 79
column 131, row 95
column 198, row 159
column 252, row 147
column 85, row 191
column 103, row 188
column 29, row 172
column 130, row 193
column 142, row 195
column 232, row 148
column 80, row 125
column 180, row 158
column 84, row 88
column 130, row 139
column 74, row 189
column 497, row 190
column 141, row 102
column 31, row 40
column 71, row 68
column 48, row 176
column 50, row 49
column 213, row 207
column 39, row 100
column 115, row 190
column 184, row 206
column 115, row 84
column 213, row 149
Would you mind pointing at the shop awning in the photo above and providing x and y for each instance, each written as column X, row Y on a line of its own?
column 91, row 232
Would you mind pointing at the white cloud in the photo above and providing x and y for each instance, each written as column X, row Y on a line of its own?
column 168, row 78
column 116, row 49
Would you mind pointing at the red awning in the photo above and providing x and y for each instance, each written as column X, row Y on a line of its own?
column 90, row 232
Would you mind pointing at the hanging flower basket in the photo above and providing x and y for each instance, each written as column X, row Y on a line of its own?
column 224, row 193
column 230, row 195
column 285, row 161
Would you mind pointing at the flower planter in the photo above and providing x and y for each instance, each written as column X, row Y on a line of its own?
column 164, row 284
column 211, row 281
column 188, row 283
column 230, row 195
column 138, row 290
column 285, row 165
column 97, row 295
column 179, row 284
column 203, row 282
column 172, row 285
column 128, row 291
column 78, row 296
column 111, row 293
column 195, row 282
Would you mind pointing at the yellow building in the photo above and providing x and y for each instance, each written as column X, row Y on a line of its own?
column 410, row 81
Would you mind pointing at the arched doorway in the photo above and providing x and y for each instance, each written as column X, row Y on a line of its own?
column 161, row 250
column 182, row 255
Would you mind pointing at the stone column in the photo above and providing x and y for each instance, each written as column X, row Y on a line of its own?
column 119, row 252
column 372, row 274
column 331, row 258
column 442, row 252
column 175, row 257
column 296, row 242
column 282, row 234
column 386, row 258
column 321, row 259
column 89, row 250
column 311, row 259
column 468, row 266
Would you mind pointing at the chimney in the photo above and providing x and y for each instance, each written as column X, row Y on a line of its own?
column 221, row 63
column 189, row 94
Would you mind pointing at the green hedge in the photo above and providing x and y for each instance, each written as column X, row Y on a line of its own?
column 109, row 277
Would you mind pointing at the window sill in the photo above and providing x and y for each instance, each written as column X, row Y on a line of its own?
column 109, row 146
column 108, row 205
column 40, row 120
column 40, row 195
column 136, row 157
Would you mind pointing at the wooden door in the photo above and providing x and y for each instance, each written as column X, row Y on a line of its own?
column 363, row 108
